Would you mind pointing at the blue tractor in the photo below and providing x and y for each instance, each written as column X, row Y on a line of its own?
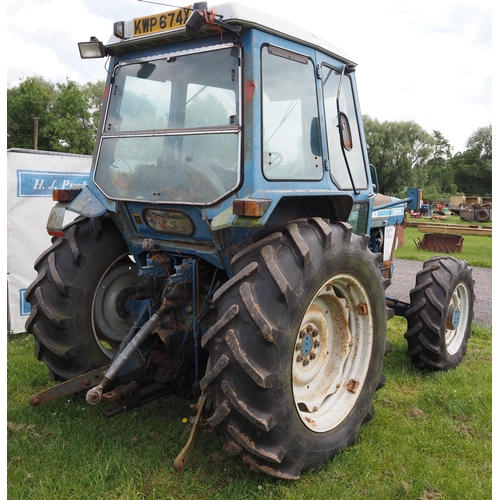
column 231, row 247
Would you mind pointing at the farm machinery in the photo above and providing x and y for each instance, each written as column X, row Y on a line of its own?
column 231, row 247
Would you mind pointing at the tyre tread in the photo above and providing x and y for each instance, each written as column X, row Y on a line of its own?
column 426, row 315
column 64, row 340
column 246, row 339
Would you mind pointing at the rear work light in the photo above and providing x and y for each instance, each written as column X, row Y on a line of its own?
column 65, row 194
column 92, row 50
column 250, row 208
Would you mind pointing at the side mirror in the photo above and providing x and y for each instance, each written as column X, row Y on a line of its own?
column 345, row 131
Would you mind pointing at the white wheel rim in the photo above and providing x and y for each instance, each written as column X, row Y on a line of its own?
column 457, row 318
column 108, row 326
column 332, row 353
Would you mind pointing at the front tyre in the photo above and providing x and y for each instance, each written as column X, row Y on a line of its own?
column 440, row 314
column 296, row 353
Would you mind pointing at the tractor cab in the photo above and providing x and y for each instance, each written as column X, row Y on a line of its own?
column 231, row 111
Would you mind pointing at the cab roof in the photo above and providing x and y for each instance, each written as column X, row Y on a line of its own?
column 230, row 13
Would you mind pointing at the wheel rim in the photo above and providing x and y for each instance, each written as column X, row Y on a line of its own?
column 114, row 306
column 457, row 318
column 332, row 352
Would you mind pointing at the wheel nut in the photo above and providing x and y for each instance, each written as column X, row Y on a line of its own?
column 315, row 333
column 298, row 346
column 312, row 355
column 316, row 343
column 300, row 358
column 302, row 334
column 309, row 328
column 305, row 361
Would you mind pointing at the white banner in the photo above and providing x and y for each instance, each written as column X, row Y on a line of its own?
column 31, row 177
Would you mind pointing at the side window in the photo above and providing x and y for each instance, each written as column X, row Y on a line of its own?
column 289, row 117
column 336, row 148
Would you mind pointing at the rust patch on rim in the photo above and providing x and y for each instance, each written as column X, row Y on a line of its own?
column 361, row 309
column 352, row 386
column 311, row 421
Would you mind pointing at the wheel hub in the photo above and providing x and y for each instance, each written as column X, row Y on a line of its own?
column 453, row 318
column 114, row 305
column 307, row 344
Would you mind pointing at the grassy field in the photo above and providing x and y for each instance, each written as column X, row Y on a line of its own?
column 476, row 250
column 430, row 439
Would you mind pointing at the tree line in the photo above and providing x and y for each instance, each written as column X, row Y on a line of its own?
column 405, row 155
column 63, row 117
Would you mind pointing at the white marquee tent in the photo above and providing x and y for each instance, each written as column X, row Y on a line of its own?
column 31, row 177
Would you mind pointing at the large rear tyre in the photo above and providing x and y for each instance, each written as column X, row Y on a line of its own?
column 83, row 299
column 440, row 314
column 297, row 351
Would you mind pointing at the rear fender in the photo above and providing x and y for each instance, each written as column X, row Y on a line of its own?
column 285, row 208
column 85, row 204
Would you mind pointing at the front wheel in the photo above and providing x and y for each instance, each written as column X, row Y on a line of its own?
column 296, row 353
column 440, row 314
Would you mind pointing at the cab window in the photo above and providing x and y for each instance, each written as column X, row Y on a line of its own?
column 347, row 153
column 289, row 113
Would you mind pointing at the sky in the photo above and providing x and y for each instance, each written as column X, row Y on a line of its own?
column 427, row 61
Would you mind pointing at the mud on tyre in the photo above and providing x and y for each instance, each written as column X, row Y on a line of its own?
column 297, row 350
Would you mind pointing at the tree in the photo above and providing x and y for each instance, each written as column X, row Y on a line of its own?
column 482, row 140
column 472, row 169
column 70, row 126
column 93, row 94
column 397, row 149
column 31, row 99
column 67, row 115
column 436, row 176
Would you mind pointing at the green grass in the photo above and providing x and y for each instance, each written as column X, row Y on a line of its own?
column 476, row 250
column 430, row 439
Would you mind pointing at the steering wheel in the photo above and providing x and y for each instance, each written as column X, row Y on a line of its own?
column 204, row 182
column 120, row 178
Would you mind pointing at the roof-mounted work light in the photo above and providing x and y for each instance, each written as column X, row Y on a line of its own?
column 119, row 29
column 93, row 49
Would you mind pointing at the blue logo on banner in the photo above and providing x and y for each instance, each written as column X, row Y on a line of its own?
column 24, row 307
column 38, row 183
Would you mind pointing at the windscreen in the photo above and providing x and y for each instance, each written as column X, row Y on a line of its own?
column 171, row 132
